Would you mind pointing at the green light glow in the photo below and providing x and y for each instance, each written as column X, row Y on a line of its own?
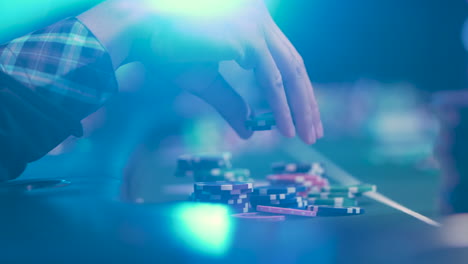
column 203, row 135
column 197, row 8
column 205, row 228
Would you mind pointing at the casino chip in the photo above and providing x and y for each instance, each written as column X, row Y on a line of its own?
column 221, row 197
column 334, row 211
column 222, row 186
column 236, row 174
column 261, row 122
column 294, row 200
column 327, row 195
column 336, row 202
column 240, row 210
column 271, row 197
column 285, row 211
column 359, row 188
column 295, row 178
column 297, row 189
column 260, row 217
column 299, row 204
column 210, row 168
column 265, row 190
column 231, row 201
column 236, row 195
column 204, row 162
column 312, row 183
column 312, row 168
column 216, row 172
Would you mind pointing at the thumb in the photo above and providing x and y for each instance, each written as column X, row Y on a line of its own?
column 206, row 82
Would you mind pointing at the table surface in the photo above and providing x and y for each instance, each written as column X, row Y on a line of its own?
column 87, row 222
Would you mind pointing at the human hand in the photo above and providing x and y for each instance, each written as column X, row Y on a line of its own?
column 189, row 46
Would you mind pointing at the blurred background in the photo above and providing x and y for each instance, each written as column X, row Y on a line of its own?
column 374, row 65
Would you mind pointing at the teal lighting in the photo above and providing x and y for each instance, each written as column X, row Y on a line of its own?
column 204, row 228
column 197, row 8
column 23, row 16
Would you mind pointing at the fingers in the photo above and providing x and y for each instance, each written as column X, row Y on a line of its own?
column 295, row 82
column 270, row 79
column 206, row 83
column 279, row 42
column 315, row 110
column 229, row 104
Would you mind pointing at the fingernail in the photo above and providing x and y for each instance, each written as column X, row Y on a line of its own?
column 311, row 136
column 286, row 127
column 319, row 130
column 290, row 131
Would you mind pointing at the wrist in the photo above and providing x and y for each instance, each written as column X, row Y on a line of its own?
column 116, row 25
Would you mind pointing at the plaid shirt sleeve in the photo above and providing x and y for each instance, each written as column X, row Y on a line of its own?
column 65, row 63
column 49, row 81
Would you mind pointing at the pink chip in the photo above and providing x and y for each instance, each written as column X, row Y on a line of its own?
column 260, row 217
column 286, row 211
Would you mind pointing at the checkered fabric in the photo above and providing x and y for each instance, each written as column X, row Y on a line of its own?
column 49, row 81
column 63, row 62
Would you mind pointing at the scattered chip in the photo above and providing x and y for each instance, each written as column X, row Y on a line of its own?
column 260, row 217
column 285, row 211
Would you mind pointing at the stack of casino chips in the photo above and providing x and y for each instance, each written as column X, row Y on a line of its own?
column 236, row 195
column 210, row 167
column 308, row 175
column 340, row 195
column 279, row 196
column 319, row 191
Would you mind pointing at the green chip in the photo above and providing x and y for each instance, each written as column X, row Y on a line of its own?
column 261, row 122
column 326, row 195
column 356, row 189
column 336, row 202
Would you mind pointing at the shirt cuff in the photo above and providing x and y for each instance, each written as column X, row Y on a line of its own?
column 65, row 63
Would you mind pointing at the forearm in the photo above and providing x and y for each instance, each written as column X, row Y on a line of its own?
column 116, row 24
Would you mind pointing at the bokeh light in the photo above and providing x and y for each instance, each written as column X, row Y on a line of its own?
column 205, row 228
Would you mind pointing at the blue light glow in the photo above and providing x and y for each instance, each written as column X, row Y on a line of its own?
column 197, row 8
column 205, row 228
